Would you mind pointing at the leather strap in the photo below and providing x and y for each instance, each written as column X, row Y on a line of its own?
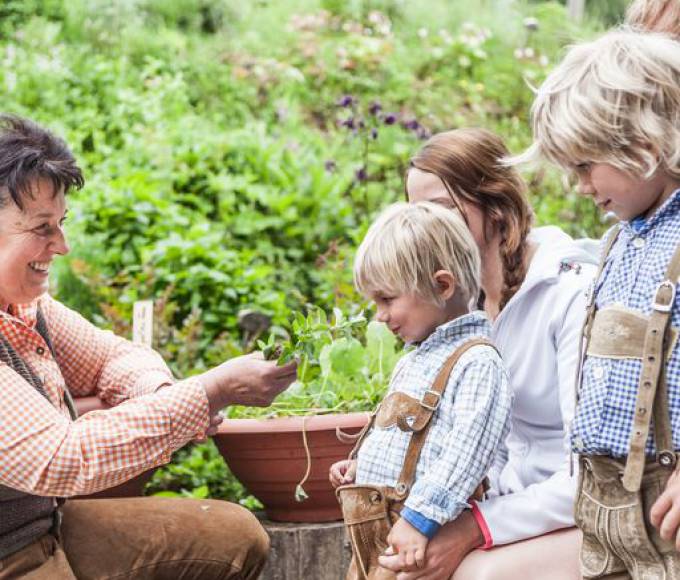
column 652, row 393
column 619, row 333
column 363, row 433
column 41, row 327
column 11, row 358
column 422, row 423
column 420, row 426
column 584, row 340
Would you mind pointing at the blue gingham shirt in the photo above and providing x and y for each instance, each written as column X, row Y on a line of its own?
column 466, row 430
column 635, row 266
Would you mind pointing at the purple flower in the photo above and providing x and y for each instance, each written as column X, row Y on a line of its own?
column 423, row 133
column 330, row 166
column 346, row 101
column 348, row 122
column 361, row 174
column 374, row 134
column 411, row 125
column 375, row 108
column 390, row 119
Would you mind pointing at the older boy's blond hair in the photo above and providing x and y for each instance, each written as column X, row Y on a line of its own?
column 655, row 16
column 408, row 244
column 614, row 100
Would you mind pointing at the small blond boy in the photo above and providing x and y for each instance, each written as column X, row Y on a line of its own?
column 434, row 436
column 610, row 115
column 655, row 16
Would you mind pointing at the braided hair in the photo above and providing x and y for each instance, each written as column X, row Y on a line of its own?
column 469, row 163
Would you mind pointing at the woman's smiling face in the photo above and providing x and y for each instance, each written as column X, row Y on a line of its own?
column 30, row 238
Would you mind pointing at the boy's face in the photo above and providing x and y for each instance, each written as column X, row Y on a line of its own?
column 626, row 195
column 408, row 315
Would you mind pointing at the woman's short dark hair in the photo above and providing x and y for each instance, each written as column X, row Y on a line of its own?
column 29, row 153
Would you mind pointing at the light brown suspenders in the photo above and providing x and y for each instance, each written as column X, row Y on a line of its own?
column 652, row 392
column 652, row 395
column 426, row 408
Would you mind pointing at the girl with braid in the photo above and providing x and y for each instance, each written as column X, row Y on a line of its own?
column 534, row 282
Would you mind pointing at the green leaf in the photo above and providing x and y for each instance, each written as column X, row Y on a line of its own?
column 381, row 347
column 325, row 360
column 339, row 316
column 167, row 494
column 300, row 494
column 201, row 492
column 347, row 356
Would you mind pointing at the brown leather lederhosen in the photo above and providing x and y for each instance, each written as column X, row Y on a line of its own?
column 370, row 511
column 618, row 332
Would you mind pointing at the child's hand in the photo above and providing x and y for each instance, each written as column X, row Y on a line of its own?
column 665, row 513
column 343, row 472
column 408, row 543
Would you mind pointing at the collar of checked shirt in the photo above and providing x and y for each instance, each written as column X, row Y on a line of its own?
column 668, row 210
column 475, row 322
column 24, row 314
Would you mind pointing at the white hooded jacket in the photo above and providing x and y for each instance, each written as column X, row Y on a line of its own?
column 537, row 334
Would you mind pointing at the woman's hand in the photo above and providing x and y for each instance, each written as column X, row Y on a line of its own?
column 444, row 553
column 246, row 380
column 343, row 472
column 407, row 544
column 211, row 431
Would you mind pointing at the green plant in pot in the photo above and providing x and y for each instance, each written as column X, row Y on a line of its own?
column 282, row 453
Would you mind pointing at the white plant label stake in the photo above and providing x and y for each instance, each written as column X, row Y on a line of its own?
column 142, row 322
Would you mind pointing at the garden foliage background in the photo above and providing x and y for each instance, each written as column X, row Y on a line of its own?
column 236, row 151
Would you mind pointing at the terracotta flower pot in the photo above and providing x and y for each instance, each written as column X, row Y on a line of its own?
column 268, row 456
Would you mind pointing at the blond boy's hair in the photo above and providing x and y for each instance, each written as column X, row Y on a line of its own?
column 614, row 100
column 655, row 16
column 408, row 244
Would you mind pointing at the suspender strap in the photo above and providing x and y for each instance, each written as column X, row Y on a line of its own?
column 11, row 358
column 584, row 339
column 41, row 327
column 362, row 434
column 663, row 434
column 650, row 395
column 591, row 309
column 408, row 471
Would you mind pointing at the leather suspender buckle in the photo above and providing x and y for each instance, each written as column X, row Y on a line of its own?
column 663, row 303
column 427, row 397
column 666, row 458
column 401, row 488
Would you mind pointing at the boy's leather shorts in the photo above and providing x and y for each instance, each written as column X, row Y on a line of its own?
column 369, row 513
column 618, row 538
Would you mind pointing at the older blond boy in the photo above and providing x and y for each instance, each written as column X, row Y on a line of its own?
column 655, row 16
column 610, row 114
column 434, row 436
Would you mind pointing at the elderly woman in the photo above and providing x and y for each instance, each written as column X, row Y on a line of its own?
column 47, row 353
column 534, row 282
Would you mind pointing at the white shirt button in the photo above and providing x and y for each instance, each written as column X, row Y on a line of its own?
column 598, row 373
column 638, row 243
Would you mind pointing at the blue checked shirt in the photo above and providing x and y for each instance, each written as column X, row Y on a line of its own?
column 635, row 266
column 466, row 430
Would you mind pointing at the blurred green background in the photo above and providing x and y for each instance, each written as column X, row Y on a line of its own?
column 236, row 151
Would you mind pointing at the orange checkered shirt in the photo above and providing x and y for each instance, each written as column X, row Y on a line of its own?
column 44, row 452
